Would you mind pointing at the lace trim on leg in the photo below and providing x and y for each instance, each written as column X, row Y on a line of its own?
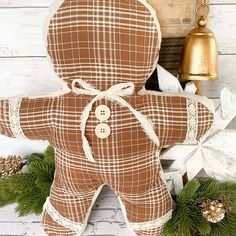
column 61, row 220
column 192, row 109
column 14, row 118
column 152, row 224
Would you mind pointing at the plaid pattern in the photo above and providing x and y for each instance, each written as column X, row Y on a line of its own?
column 125, row 161
column 106, row 42
column 103, row 42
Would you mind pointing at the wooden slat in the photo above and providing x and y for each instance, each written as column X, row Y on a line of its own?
column 34, row 75
column 108, row 229
column 21, row 32
column 222, row 2
column 227, row 77
column 222, row 23
column 25, row 3
column 27, row 76
column 46, row 3
column 36, row 229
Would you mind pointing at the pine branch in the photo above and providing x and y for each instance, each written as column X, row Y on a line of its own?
column 50, row 155
column 43, row 186
column 184, row 221
column 30, row 190
column 200, row 224
column 188, row 192
column 226, row 227
column 187, row 213
column 30, row 202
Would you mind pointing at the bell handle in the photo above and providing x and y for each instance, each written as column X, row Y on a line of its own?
column 205, row 6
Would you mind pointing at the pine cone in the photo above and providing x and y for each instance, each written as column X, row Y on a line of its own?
column 214, row 211
column 10, row 165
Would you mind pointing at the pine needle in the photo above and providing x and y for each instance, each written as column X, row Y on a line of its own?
column 30, row 189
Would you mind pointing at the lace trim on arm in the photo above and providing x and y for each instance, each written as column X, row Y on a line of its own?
column 152, row 224
column 14, row 118
column 61, row 220
column 192, row 121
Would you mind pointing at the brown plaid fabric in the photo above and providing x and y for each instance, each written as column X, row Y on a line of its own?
column 105, row 43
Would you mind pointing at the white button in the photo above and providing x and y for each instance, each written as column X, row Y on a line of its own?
column 103, row 130
column 102, row 112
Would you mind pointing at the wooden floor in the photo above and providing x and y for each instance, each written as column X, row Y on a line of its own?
column 106, row 219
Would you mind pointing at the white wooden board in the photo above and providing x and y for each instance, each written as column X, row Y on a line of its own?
column 27, row 76
column 227, row 77
column 25, row 3
column 34, row 75
column 22, row 30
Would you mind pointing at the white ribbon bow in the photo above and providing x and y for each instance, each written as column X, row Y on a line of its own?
column 114, row 93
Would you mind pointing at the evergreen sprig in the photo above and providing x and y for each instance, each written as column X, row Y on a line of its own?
column 187, row 218
column 31, row 188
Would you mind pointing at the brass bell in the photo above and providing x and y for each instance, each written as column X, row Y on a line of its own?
column 200, row 54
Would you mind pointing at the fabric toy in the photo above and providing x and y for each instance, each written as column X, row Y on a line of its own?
column 105, row 128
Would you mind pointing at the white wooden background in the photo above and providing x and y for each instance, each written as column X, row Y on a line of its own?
column 25, row 70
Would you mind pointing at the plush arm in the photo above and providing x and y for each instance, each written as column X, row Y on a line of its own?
column 180, row 119
column 27, row 118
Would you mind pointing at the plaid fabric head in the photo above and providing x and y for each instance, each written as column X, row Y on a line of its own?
column 104, row 42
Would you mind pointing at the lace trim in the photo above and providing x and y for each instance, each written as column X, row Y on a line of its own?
column 152, row 224
column 57, row 217
column 14, row 118
column 192, row 109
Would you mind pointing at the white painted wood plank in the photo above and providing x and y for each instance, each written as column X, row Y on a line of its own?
column 25, row 3
column 227, row 77
column 8, row 214
column 8, row 229
column 108, row 229
column 34, row 75
column 222, row 23
column 36, row 229
column 222, row 1
column 27, row 76
column 46, row 3
column 22, row 30
column 11, row 146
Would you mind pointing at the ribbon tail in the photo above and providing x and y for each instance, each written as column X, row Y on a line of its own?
column 149, row 129
column 144, row 121
column 88, row 150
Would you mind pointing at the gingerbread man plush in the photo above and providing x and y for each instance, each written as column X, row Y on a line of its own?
column 105, row 128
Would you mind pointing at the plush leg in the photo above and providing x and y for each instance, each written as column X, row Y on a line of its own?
column 149, row 210
column 66, row 212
